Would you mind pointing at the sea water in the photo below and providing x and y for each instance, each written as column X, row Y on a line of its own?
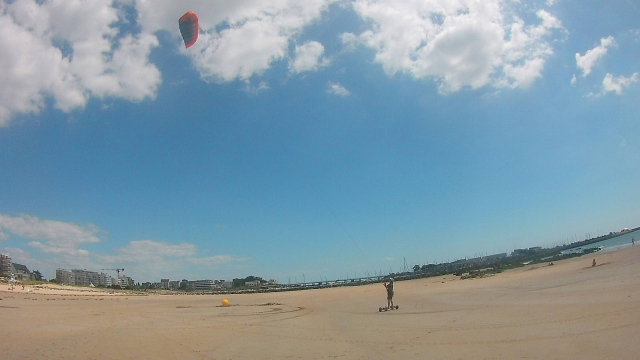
column 615, row 243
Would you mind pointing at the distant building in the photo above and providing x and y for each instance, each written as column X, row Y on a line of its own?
column 184, row 284
column 106, row 280
column 80, row 277
column 86, row 277
column 21, row 272
column 174, row 285
column 253, row 283
column 65, row 277
column 5, row 266
column 494, row 257
column 83, row 277
column 125, row 281
column 201, row 285
column 164, row 284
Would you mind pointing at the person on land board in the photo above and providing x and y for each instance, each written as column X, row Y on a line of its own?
column 389, row 287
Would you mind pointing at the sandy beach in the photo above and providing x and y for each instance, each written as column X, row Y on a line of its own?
column 566, row 311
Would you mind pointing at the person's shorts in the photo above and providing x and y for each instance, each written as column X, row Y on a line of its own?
column 389, row 295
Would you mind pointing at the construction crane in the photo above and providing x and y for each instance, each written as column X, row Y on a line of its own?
column 118, row 270
column 120, row 280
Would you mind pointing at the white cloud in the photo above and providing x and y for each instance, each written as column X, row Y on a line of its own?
column 551, row 2
column 152, row 259
column 307, row 58
column 523, row 75
column 61, row 243
column 337, row 89
column 460, row 44
column 349, row 41
column 255, row 89
column 617, row 84
column 587, row 61
column 59, row 239
column 574, row 80
column 70, row 50
column 238, row 38
column 49, row 249
column 57, row 233
column 149, row 249
column 48, row 265
column 17, row 255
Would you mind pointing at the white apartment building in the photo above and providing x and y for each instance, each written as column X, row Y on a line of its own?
column 5, row 266
column 164, row 284
column 201, row 285
column 84, row 278
column 65, row 277
column 174, row 285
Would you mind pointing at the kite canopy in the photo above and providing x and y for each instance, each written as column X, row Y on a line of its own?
column 189, row 28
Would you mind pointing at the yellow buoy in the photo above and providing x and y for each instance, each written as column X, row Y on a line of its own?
column 225, row 302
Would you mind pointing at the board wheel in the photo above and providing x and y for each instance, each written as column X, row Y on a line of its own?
column 396, row 307
column 379, row 309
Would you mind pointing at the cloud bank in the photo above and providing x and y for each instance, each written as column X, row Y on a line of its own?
column 70, row 51
column 60, row 245
column 459, row 43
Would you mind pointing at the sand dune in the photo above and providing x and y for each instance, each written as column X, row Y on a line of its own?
column 567, row 311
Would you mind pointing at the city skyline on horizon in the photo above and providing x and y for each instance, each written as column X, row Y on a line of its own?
column 376, row 274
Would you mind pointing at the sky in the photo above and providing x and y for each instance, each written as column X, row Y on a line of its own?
column 309, row 140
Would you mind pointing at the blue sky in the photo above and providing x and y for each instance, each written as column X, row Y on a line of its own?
column 312, row 139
